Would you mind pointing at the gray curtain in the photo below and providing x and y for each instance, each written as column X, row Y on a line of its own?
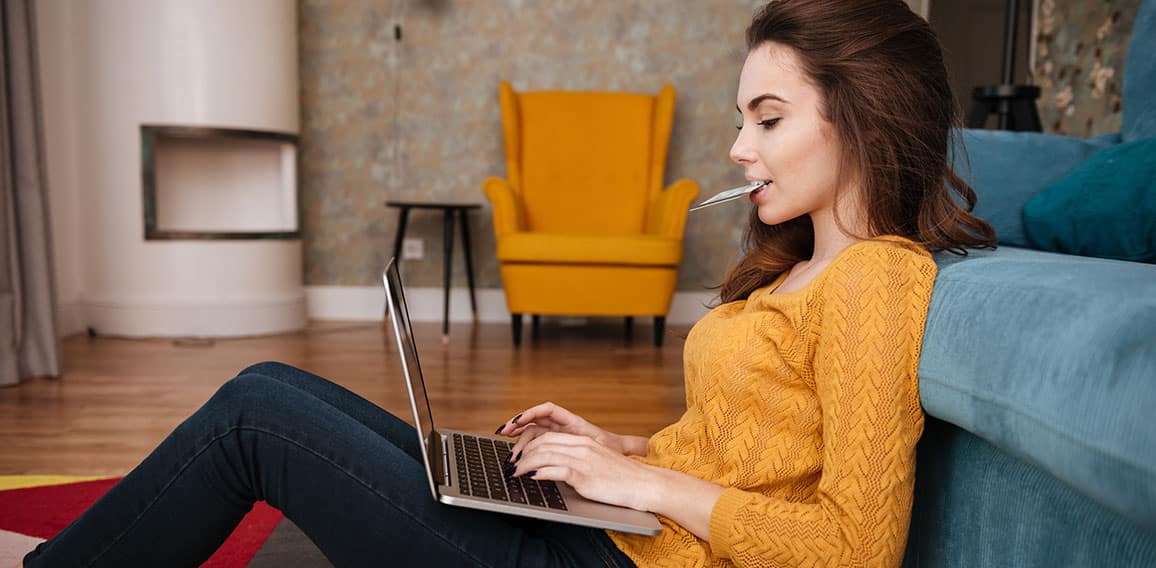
column 29, row 345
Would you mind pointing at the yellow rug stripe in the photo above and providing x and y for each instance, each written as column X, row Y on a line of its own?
column 22, row 481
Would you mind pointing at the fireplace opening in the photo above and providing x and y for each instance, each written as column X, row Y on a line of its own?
column 219, row 183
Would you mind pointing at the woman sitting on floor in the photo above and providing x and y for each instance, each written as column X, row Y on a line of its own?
column 797, row 447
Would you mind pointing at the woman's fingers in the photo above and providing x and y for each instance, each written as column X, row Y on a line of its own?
column 537, row 414
column 546, row 440
column 529, row 434
column 576, row 459
column 552, row 473
column 564, row 439
column 546, row 423
column 536, row 436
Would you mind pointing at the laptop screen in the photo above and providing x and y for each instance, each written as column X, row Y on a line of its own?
column 403, row 331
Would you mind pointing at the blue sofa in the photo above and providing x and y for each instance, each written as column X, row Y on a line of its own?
column 1038, row 373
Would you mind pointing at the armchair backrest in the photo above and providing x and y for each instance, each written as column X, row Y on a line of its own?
column 1139, row 101
column 586, row 162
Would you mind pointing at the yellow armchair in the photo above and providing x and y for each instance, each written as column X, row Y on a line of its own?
column 583, row 224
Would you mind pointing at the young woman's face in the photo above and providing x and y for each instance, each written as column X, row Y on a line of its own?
column 783, row 138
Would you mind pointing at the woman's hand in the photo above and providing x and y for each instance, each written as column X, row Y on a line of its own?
column 594, row 470
column 549, row 417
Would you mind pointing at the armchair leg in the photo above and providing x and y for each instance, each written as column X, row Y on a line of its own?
column 659, row 330
column 516, row 321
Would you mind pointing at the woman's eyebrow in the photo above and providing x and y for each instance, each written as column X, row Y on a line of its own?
column 755, row 102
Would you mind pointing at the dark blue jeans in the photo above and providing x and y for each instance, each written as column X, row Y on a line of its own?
column 345, row 471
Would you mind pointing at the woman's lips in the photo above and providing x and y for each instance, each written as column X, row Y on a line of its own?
column 755, row 194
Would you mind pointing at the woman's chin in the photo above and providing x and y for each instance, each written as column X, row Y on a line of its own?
column 771, row 217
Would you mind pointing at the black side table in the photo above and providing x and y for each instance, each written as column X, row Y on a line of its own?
column 448, row 209
column 1015, row 105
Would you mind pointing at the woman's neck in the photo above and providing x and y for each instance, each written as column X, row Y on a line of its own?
column 829, row 238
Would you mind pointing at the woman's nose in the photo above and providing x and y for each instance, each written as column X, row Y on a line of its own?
column 741, row 151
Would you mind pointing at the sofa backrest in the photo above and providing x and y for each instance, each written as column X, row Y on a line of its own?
column 1139, row 120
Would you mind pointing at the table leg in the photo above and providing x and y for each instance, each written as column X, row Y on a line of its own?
column 469, row 260
column 447, row 270
column 403, row 217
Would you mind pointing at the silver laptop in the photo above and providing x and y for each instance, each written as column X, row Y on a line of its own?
column 466, row 469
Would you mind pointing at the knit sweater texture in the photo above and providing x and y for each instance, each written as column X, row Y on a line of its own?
column 804, row 406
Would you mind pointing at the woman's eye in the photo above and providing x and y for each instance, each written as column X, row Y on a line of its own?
column 768, row 123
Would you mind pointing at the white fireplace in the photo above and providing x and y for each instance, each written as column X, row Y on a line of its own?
column 186, row 120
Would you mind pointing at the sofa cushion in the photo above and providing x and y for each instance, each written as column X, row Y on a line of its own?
column 977, row 506
column 556, row 248
column 1105, row 208
column 1051, row 358
column 1006, row 168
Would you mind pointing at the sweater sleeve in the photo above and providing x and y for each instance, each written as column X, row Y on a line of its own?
column 873, row 308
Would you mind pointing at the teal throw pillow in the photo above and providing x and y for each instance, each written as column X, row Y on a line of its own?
column 1105, row 208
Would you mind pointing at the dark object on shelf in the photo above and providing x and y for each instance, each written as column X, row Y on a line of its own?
column 1014, row 105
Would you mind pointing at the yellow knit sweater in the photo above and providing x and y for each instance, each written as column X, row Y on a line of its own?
column 804, row 406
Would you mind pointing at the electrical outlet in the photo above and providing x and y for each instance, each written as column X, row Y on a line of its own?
column 412, row 249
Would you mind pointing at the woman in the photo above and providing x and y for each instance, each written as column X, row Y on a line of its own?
column 798, row 444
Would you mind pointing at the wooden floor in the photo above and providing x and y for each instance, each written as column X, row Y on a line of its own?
column 119, row 397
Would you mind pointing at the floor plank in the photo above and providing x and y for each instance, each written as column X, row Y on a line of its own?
column 120, row 397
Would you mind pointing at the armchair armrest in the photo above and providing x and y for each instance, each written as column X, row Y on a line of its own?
column 507, row 213
column 668, row 213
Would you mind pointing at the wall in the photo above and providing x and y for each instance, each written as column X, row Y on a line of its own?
column 419, row 118
column 1080, row 54
column 383, row 119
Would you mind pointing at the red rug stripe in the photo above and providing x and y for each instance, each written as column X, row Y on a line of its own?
column 45, row 511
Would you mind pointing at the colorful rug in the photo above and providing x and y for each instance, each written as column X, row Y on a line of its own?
column 36, row 508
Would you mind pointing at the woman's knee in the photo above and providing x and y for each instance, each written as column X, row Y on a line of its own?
column 248, row 390
column 269, row 369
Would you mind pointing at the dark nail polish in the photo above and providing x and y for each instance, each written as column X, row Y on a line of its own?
column 515, row 420
column 519, row 456
column 532, row 473
column 509, row 457
column 509, row 470
column 499, row 430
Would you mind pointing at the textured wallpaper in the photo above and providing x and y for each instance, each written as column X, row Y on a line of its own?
column 419, row 118
column 1080, row 50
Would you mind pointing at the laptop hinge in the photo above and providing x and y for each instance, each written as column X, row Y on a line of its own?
column 445, row 460
column 440, row 457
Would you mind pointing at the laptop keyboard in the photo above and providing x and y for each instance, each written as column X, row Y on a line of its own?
column 480, row 473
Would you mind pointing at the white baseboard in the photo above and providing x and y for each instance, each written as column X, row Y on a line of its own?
column 349, row 303
column 126, row 318
column 69, row 319
column 367, row 303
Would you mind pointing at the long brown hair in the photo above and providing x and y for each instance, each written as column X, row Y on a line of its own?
column 879, row 70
